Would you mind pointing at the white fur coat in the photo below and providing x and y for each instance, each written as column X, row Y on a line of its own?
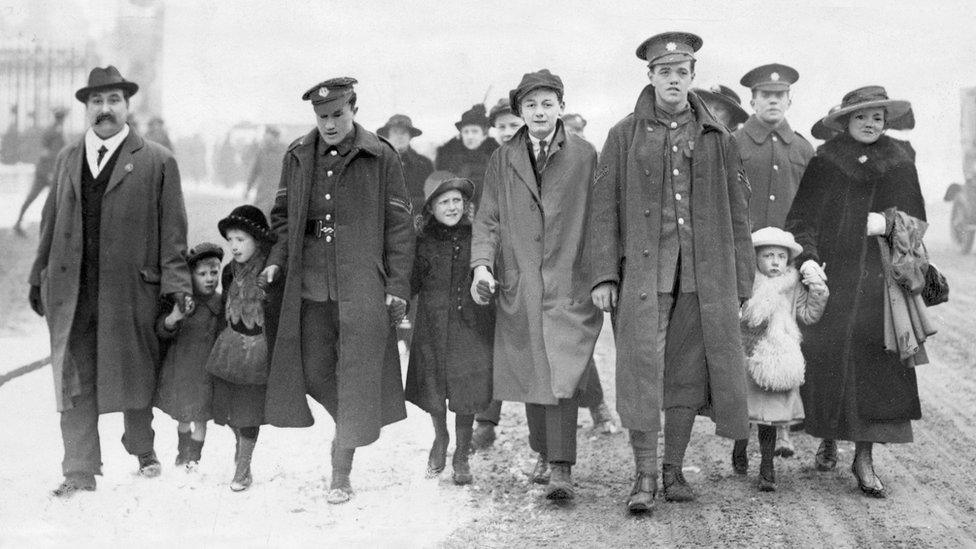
column 770, row 331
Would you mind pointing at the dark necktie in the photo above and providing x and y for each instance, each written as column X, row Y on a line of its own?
column 540, row 161
column 101, row 154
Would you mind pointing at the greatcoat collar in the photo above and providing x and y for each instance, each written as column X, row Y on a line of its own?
column 760, row 132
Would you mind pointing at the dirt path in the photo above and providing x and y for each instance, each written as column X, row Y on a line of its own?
column 932, row 482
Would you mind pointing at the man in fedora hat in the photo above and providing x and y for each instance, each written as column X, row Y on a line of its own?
column 263, row 177
column 52, row 142
column 528, row 233
column 399, row 130
column 774, row 157
column 345, row 243
column 467, row 154
column 669, row 251
column 100, row 289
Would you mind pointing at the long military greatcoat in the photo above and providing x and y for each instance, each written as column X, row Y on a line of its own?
column 374, row 242
column 623, row 234
column 850, row 379
column 546, row 328
column 143, row 239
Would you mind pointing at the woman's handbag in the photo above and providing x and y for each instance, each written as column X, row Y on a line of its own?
column 936, row 288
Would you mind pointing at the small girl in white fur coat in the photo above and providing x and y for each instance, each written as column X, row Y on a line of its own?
column 771, row 338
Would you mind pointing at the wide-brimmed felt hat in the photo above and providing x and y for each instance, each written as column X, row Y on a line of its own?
column 532, row 81
column 204, row 250
column 821, row 132
column 868, row 97
column 504, row 106
column 398, row 121
column 774, row 236
column 442, row 181
column 725, row 97
column 106, row 78
column 669, row 47
column 249, row 219
column 475, row 116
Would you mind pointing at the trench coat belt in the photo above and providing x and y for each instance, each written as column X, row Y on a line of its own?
column 319, row 228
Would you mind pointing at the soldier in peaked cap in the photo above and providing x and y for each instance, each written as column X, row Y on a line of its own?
column 99, row 290
column 344, row 247
column 467, row 154
column 669, row 251
column 528, row 233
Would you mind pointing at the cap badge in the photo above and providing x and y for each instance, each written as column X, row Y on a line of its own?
column 670, row 46
column 774, row 77
column 323, row 91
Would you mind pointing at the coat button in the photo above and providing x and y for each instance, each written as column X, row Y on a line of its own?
column 775, row 139
column 681, row 221
column 328, row 217
column 772, row 197
column 675, row 171
column 333, row 152
column 647, row 213
column 328, row 196
column 776, row 167
column 328, row 239
column 532, row 207
column 646, row 253
column 459, row 307
column 674, row 148
column 538, row 238
column 643, row 296
column 329, row 173
column 647, row 172
column 677, row 196
column 674, row 125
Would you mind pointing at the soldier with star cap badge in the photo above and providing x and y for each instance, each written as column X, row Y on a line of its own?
column 669, row 253
column 345, row 243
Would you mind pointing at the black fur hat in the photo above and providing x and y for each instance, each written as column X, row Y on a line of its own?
column 249, row 219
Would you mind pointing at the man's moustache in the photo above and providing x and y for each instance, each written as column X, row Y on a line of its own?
column 103, row 117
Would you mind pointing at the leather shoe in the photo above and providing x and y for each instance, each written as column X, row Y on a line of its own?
column 483, row 436
column 740, row 457
column 870, row 491
column 149, row 466
column 826, row 458
column 540, row 473
column 462, row 470
column 437, row 458
column 676, row 488
column 560, row 483
column 642, row 495
column 767, row 477
column 73, row 484
column 341, row 489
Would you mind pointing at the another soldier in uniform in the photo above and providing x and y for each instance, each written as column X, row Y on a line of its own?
column 53, row 142
column 672, row 241
column 774, row 157
column 467, row 154
column 345, row 243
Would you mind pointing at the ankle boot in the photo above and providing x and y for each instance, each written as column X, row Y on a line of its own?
column 182, row 448
column 540, row 473
column 676, row 488
column 193, row 452
column 740, row 456
column 767, row 449
column 242, row 472
column 462, row 469
column 642, row 495
column 437, row 458
column 560, row 482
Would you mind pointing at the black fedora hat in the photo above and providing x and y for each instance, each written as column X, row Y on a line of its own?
column 109, row 77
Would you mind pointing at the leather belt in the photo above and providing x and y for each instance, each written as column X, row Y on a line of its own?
column 320, row 228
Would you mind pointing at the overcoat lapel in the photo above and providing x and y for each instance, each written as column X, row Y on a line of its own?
column 123, row 166
column 73, row 162
column 522, row 164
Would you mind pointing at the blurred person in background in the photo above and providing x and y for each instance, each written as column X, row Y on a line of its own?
column 157, row 132
column 51, row 142
column 266, row 169
column 467, row 154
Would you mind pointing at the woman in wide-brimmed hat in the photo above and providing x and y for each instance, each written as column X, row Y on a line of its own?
column 855, row 390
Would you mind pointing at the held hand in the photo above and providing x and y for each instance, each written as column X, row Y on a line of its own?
column 604, row 296
column 396, row 308
column 817, row 287
column 812, row 272
column 184, row 301
column 877, row 224
column 483, row 286
column 174, row 317
column 269, row 275
column 34, row 297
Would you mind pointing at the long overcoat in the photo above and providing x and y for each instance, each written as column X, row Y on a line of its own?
column 623, row 236
column 374, row 243
column 849, row 373
column 545, row 328
column 143, row 199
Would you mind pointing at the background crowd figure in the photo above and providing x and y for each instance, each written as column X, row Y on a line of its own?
column 747, row 277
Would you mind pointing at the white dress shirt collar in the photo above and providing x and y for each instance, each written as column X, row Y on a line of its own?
column 535, row 142
column 93, row 143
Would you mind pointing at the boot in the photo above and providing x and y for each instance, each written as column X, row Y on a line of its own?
column 438, row 457
column 340, row 489
column 642, row 495
column 602, row 419
column 676, row 488
column 826, row 458
column 74, row 483
column 484, row 436
column 149, row 466
column 767, row 449
column 462, row 470
column 193, row 452
column 561, row 483
column 540, row 473
column 182, row 448
column 242, row 472
column 740, row 457
column 784, row 446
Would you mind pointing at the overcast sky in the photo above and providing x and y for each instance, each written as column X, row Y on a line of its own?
column 227, row 61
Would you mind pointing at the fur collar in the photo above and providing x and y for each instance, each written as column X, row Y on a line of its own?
column 770, row 296
column 860, row 161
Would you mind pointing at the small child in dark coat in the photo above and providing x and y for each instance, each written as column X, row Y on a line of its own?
column 239, row 359
column 184, row 389
column 451, row 354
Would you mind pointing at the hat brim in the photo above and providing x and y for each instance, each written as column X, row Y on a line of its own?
column 215, row 254
column 821, row 132
column 494, row 116
column 239, row 223
column 794, row 248
column 517, row 94
column 128, row 88
column 895, row 110
column 384, row 132
column 464, row 185
column 739, row 115
column 772, row 86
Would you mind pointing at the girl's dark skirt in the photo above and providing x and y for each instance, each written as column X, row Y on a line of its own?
column 238, row 405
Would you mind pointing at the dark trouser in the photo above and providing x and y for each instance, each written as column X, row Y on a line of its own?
column 492, row 414
column 320, row 357
column 79, row 423
column 591, row 397
column 552, row 429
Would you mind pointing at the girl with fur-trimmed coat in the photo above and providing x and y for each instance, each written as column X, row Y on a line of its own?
column 771, row 338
